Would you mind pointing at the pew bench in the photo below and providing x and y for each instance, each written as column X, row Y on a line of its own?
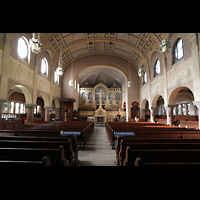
column 25, row 163
column 133, row 156
column 56, row 156
column 68, row 152
column 156, row 145
column 71, row 148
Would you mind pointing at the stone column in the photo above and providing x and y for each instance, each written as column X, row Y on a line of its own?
column 57, row 112
column 170, row 114
column 30, row 112
column 47, row 115
column 5, row 66
column 197, row 104
column 153, row 109
column 142, row 114
column 1, row 102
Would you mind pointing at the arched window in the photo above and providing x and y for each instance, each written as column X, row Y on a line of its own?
column 117, row 96
column 56, row 77
column 44, row 67
column 157, row 68
column 179, row 50
column 144, row 78
column 22, row 48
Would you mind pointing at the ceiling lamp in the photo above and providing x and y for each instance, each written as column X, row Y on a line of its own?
column 165, row 45
column 59, row 69
column 140, row 72
column 129, row 83
column 35, row 44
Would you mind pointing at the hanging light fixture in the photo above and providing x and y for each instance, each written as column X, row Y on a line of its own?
column 35, row 44
column 165, row 45
column 59, row 69
column 140, row 72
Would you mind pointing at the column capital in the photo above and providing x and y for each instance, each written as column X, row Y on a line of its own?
column 47, row 107
column 3, row 101
column 197, row 103
column 153, row 108
column 171, row 106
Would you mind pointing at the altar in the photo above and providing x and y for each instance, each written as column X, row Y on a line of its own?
column 100, row 118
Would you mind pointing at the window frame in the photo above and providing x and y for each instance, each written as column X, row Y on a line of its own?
column 176, row 50
column 47, row 67
column 156, row 67
column 144, row 78
column 27, row 58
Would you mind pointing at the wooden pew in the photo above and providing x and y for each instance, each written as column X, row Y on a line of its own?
column 165, row 156
column 71, row 152
column 41, row 144
column 25, row 163
column 156, row 144
column 56, row 156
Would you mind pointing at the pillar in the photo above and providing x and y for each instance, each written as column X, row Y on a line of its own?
column 197, row 104
column 153, row 109
column 5, row 66
column 170, row 114
column 1, row 102
column 30, row 112
column 142, row 114
column 57, row 112
column 47, row 115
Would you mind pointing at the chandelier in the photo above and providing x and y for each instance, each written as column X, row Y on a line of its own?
column 164, row 45
column 35, row 44
column 59, row 69
column 140, row 72
column 129, row 83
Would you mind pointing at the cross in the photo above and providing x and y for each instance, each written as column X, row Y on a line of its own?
column 100, row 96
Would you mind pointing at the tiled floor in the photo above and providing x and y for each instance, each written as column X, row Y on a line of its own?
column 98, row 151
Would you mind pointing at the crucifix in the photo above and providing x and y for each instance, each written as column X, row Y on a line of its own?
column 100, row 97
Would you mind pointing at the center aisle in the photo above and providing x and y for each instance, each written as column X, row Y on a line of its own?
column 98, row 151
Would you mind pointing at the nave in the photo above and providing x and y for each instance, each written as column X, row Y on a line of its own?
column 98, row 151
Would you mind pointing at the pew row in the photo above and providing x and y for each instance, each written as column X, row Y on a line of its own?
column 162, row 157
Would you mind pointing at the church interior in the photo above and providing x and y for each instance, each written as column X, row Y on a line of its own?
column 108, row 99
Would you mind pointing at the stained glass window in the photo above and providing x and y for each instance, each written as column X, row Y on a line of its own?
column 163, row 110
column 188, row 108
column 16, row 108
column 179, row 109
column 12, row 107
column 22, row 108
column 184, row 109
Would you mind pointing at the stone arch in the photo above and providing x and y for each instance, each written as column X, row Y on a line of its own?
column 143, row 103
column 24, row 90
column 155, row 99
column 57, row 103
column 173, row 94
column 45, row 98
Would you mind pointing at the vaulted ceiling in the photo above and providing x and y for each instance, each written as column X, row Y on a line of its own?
column 134, row 47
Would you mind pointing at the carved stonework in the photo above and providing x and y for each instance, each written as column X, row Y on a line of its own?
column 43, row 84
column 19, row 72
